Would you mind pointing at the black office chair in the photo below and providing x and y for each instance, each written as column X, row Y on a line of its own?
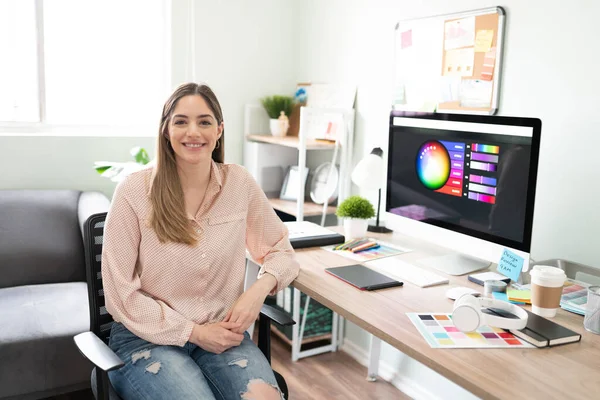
column 93, row 344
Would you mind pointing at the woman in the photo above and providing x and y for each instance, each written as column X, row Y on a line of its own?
column 173, row 265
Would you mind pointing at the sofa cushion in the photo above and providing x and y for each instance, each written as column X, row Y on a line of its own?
column 40, row 237
column 38, row 323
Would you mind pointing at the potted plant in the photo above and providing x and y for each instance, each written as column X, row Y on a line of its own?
column 355, row 211
column 279, row 109
column 117, row 171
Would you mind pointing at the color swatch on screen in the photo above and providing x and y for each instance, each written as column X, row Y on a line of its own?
column 475, row 187
column 433, row 164
column 483, row 166
column 484, row 157
column 485, row 148
column 439, row 332
column 486, row 180
column 482, row 197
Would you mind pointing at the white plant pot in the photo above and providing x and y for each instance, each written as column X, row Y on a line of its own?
column 277, row 128
column 355, row 228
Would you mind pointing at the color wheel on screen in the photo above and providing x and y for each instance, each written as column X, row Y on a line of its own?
column 433, row 164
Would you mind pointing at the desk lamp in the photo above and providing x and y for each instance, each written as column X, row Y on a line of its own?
column 368, row 174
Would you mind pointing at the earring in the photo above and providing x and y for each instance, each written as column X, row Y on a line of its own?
column 218, row 144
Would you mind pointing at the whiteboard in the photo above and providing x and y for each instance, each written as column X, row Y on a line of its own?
column 449, row 63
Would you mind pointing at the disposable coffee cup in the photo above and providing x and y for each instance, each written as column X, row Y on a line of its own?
column 546, row 289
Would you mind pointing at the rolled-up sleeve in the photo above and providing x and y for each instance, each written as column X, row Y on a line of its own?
column 150, row 319
column 267, row 238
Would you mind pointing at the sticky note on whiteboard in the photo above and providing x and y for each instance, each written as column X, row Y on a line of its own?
column 510, row 264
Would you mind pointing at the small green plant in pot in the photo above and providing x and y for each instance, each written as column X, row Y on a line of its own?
column 279, row 109
column 355, row 211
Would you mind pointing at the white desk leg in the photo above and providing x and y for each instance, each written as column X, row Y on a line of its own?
column 341, row 324
column 334, row 331
column 374, row 350
column 295, row 328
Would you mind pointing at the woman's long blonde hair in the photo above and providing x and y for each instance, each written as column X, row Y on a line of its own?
column 168, row 218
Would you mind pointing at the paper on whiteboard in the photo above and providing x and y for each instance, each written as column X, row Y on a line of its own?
column 459, row 33
column 483, row 40
column 459, row 62
column 449, row 86
column 475, row 93
column 406, row 39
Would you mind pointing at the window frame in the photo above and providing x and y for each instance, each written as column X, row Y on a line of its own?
column 43, row 128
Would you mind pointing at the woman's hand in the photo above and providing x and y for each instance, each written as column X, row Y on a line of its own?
column 218, row 337
column 247, row 307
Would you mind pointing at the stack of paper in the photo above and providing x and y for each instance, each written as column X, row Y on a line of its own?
column 519, row 296
column 574, row 297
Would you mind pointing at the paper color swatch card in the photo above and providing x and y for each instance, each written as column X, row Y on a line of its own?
column 439, row 331
column 489, row 61
column 384, row 250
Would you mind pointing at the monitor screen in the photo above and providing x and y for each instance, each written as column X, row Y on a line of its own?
column 474, row 175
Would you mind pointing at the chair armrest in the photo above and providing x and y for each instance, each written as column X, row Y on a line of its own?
column 276, row 315
column 97, row 351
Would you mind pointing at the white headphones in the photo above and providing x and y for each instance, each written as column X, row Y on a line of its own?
column 467, row 315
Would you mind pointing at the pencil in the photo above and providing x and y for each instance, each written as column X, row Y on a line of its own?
column 364, row 246
column 351, row 244
column 345, row 245
column 368, row 248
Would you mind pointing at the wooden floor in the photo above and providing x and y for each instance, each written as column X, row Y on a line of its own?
column 328, row 376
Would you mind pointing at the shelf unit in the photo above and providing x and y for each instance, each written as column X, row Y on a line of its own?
column 307, row 340
column 255, row 124
column 292, row 141
column 309, row 118
column 310, row 209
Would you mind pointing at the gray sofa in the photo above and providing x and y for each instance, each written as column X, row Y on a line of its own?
column 43, row 291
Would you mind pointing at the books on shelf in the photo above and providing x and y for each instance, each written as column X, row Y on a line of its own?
column 542, row 332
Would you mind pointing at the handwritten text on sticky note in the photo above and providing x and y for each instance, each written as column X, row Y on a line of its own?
column 510, row 264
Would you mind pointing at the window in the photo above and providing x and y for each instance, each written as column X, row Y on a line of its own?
column 73, row 62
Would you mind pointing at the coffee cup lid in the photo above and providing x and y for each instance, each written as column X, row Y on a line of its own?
column 547, row 272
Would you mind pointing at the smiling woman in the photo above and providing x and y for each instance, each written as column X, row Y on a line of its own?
column 192, row 137
column 174, row 260
column 191, row 134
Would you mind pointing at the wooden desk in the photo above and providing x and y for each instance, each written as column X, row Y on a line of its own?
column 569, row 371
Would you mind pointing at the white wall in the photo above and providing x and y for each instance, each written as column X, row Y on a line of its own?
column 62, row 162
column 549, row 68
column 244, row 51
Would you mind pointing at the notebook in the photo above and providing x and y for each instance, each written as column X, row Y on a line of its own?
column 308, row 234
column 542, row 332
column 362, row 277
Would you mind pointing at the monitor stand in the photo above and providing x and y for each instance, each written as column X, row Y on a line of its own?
column 455, row 264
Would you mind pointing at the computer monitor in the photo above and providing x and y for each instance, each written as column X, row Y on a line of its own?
column 465, row 182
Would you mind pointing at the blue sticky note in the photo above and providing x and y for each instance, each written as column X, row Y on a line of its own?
column 500, row 296
column 510, row 264
column 504, row 297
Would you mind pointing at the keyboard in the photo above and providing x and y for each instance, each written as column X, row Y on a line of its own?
column 404, row 271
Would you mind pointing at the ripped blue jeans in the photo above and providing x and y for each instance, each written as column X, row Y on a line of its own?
column 170, row 372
